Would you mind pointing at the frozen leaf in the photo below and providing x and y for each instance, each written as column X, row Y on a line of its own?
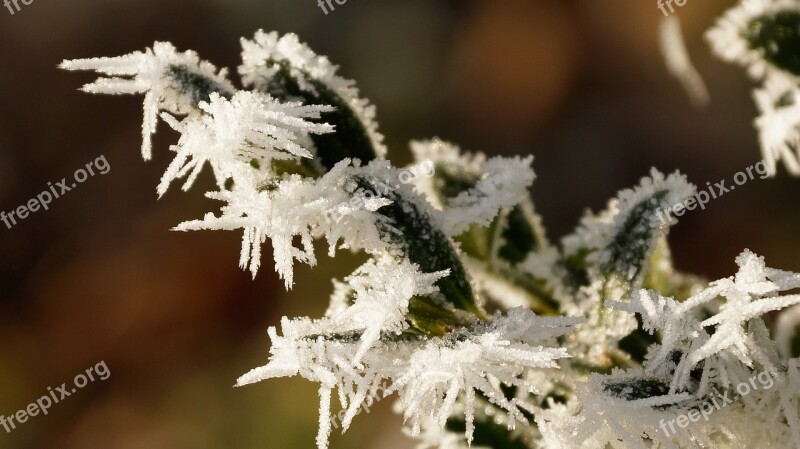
column 618, row 242
column 289, row 70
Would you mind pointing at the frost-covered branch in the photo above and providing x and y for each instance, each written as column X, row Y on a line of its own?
column 484, row 332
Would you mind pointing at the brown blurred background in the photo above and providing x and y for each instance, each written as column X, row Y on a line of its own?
column 99, row 276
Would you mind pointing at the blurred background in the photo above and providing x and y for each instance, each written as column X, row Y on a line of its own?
column 100, row 276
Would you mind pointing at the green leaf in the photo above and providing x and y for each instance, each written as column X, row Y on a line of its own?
column 449, row 180
column 662, row 276
column 429, row 317
column 637, row 342
column 576, row 267
column 407, row 225
column 303, row 167
column 636, row 389
column 354, row 337
column 511, row 237
column 500, row 247
column 478, row 241
column 350, row 140
column 195, row 85
column 631, row 246
column 519, row 235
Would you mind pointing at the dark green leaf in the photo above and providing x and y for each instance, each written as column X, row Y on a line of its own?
column 350, row 140
column 405, row 224
column 195, row 85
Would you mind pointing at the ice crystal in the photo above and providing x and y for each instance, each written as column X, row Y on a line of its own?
column 171, row 81
column 232, row 136
column 496, row 183
column 296, row 207
column 428, row 375
column 383, row 307
column 752, row 293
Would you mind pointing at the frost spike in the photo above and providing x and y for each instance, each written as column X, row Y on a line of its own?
column 171, row 81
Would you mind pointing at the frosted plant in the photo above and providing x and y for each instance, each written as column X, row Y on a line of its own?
column 712, row 342
column 483, row 332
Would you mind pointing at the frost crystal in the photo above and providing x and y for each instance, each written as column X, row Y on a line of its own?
column 295, row 207
column 171, row 81
column 749, row 295
column 383, row 307
column 429, row 376
column 233, row 136
column 498, row 183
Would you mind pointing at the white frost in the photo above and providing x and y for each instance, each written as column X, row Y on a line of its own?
column 148, row 72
